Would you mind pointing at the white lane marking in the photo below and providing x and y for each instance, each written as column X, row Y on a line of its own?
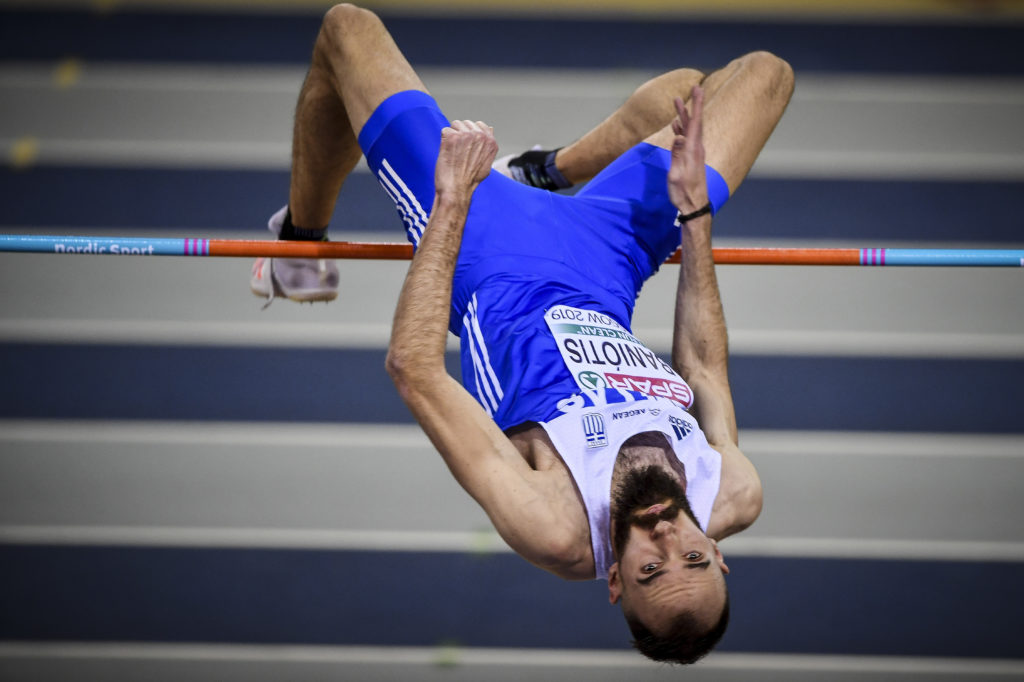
column 354, row 436
column 514, row 83
column 370, row 335
column 838, row 164
column 363, row 438
column 498, row 657
column 156, row 153
column 763, row 442
column 487, row 542
column 872, row 548
column 995, row 100
column 850, row 164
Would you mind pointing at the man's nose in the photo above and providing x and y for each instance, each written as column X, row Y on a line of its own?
column 661, row 529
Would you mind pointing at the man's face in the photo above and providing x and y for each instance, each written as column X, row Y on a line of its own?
column 666, row 565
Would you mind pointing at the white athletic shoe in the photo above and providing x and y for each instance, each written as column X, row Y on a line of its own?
column 501, row 165
column 298, row 279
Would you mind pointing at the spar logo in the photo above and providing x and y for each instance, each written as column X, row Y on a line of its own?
column 590, row 380
column 593, row 430
column 676, row 391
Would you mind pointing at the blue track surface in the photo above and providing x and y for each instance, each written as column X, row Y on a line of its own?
column 196, row 201
column 204, row 383
column 812, row 606
column 992, row 49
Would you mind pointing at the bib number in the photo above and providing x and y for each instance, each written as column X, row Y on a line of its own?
column 600, row 353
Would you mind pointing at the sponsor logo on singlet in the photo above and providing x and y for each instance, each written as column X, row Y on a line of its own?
column 681, row 427
column 593, row 430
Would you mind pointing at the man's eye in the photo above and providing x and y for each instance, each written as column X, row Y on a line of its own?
column 693, row 556
column 650, row 567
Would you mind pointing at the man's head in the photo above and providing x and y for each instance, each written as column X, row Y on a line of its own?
column 669, row 577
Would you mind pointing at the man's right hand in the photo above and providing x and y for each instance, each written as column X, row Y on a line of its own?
column 468, row 149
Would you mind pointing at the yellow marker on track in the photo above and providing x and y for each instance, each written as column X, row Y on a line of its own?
column 67, row 73
column 24, row 152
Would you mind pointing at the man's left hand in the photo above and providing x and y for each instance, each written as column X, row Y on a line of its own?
column 468, row 149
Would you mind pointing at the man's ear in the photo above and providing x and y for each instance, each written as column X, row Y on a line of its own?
column 614, row 584
column 719, row 559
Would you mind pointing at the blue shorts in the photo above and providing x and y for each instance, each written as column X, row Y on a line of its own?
column 524, row 250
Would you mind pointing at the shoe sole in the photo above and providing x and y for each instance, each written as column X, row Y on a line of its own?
column 325, row 295
column 305, row 296
column 314, row 297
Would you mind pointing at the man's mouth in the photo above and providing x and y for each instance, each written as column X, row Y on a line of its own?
column 655, row 509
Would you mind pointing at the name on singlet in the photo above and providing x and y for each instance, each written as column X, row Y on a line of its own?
column 600, row 353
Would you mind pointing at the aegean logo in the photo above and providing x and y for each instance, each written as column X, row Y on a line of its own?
column 628, row 413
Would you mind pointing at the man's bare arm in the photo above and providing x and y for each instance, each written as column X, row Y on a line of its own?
column 420, row 325
column 700, row 345
column 477, row 452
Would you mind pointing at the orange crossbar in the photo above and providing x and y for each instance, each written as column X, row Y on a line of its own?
column 286, row 249
column 766, row 256
column 397, row 251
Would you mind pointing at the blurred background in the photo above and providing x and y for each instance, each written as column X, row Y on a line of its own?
column 192, row 487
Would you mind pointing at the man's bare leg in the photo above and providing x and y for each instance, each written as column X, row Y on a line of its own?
column 648, row 110
column 742, row 105
column 743, row 102
column 356, row 65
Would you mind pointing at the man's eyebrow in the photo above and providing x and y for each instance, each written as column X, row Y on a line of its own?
column 703, row 564
column 648, row 579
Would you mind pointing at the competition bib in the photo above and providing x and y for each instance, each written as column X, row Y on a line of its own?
column 600, row 353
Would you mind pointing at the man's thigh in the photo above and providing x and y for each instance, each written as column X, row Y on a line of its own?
column 596, row 242
column 588, row 243
column 401, row 141
column 635, row 187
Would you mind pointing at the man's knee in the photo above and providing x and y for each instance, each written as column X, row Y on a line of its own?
column 346, row 22
column 774, row 72
column 356, row 55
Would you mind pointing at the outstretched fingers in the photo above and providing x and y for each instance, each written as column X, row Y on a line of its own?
column 682, row 118
column 689, row 127
column 686, row 179
column 695, row 125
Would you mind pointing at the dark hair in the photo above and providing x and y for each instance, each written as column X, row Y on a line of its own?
column 687, row 641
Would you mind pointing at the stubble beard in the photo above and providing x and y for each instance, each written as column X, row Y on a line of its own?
column 639, row 490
